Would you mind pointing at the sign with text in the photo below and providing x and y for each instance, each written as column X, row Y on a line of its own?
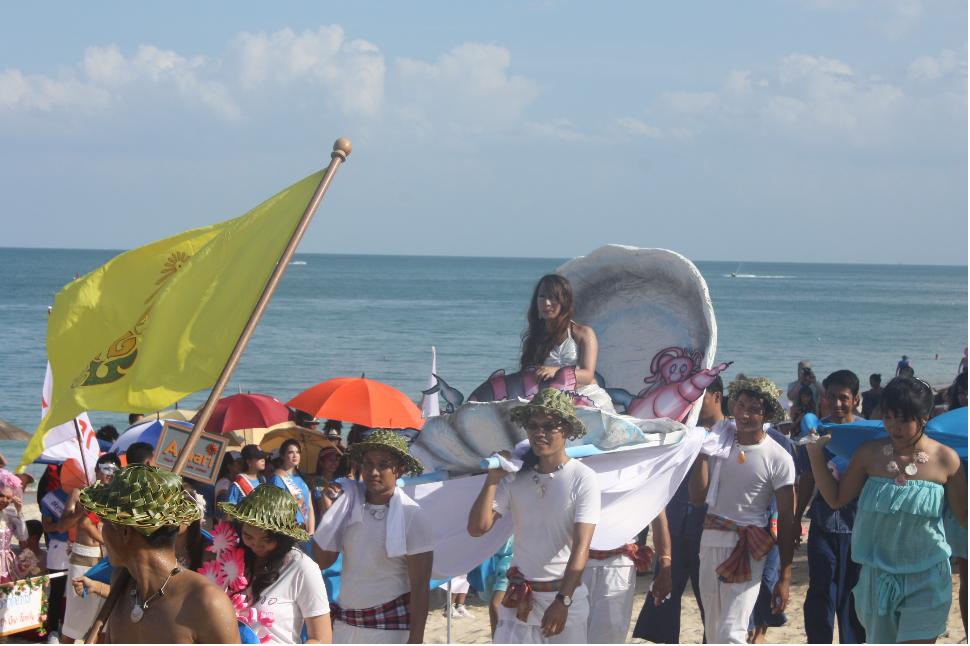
column 22, row 605
column 206, row 458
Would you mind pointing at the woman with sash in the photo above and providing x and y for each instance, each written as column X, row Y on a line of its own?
column 288, row 478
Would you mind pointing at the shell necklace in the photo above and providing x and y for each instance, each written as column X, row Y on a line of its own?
column 377, row 512
column 915, row 459
column 138, row 609
column 538, row 480
column 742, row 458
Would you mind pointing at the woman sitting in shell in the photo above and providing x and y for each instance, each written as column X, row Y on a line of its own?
column 554, row 340
column 283, row 581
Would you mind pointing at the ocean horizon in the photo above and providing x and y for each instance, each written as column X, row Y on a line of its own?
column 347, row 314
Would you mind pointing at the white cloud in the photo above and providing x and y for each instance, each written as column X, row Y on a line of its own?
column 352, row 71
column 106, row 77
column 556, row 129
column 467, row 88
column 37, row 93
column 825, row 92
column 639, row 128
column 738, row 82
column 930, row 68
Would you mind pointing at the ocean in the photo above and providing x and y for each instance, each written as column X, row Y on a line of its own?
column 344, row 315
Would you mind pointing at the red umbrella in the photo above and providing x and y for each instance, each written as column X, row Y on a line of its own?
column 238, row 412
column 359, row 401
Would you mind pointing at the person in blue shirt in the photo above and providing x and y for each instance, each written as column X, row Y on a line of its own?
column 288, row 478
column 254, row 461
column 831, row 571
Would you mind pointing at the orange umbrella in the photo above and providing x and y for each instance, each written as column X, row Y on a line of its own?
column 72, row 476
column 359, row 401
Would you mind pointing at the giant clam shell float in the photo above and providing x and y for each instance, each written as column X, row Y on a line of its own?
column 654, row 320
column 646, row 305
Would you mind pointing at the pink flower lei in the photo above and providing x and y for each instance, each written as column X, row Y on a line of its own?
column 228, row 571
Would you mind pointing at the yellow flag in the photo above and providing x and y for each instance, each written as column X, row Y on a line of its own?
column 158, row 323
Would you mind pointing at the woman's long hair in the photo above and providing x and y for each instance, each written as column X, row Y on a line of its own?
column 287, row 444
column 537, row 341
column 259, row 581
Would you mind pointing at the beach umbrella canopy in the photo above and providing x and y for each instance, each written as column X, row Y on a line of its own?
column 183, row 414
column 359, row 400
column 147, row 431
column 311, row 443
column 10, row 432
column 245, row 411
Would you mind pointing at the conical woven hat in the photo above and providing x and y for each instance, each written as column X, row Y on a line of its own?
column 386, row 440
column 142, row 497
column 268, row 507
column 555, row 403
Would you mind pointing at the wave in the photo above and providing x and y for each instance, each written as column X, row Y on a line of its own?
column 755, row 276
column 298, row 262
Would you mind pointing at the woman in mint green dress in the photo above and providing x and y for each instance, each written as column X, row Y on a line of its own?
column 903, row 483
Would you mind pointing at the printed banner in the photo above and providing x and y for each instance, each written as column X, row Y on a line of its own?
column 23, row 605
column 207, row 454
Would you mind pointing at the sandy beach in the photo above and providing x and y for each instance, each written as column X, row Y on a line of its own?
column 476, row 631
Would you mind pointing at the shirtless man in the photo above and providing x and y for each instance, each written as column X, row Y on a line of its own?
column 160, row 601
column 81, row 611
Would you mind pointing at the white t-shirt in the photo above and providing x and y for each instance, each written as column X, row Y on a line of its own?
column 543, row 521
column 744, row 491
column 369, row 578
column 298, row 593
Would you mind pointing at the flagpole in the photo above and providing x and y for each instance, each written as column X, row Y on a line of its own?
column 80, row 448
column 341, row 150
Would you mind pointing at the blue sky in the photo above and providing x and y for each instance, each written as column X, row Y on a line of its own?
column 811, row 130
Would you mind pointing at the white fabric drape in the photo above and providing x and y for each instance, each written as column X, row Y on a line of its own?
column 635, row 485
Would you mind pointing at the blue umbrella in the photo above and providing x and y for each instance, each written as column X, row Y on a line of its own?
column 142, row 432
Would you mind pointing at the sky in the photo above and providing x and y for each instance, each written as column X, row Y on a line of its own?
column 796, row 130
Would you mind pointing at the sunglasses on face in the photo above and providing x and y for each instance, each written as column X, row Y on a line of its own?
column 108, row 469
column 547, row 427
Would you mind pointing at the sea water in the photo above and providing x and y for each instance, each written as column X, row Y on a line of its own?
column 342, row 315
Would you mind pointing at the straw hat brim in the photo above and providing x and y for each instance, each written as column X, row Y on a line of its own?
column 521, row 414
column 294, row 531
column 411, row 465
column 146, row 515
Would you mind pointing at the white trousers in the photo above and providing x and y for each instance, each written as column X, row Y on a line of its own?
column 347, row 634
column 727, row 606
column 512, row 631
column 80, row 612
column 612, row 584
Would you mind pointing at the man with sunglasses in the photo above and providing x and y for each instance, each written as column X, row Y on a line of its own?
column 86, row 551
column 554, row 506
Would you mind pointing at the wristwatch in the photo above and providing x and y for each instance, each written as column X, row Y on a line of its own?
column 564, row 598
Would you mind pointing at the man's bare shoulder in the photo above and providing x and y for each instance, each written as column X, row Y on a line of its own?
column 206, row 594
column 210, row 610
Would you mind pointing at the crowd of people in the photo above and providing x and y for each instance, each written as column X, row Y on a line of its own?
column 152, row 557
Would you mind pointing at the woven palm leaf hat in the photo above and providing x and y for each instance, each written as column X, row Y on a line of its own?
column 764, row 389
column 386, row 440
column 142, row 497
column 268, row 507
column 555, row 403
